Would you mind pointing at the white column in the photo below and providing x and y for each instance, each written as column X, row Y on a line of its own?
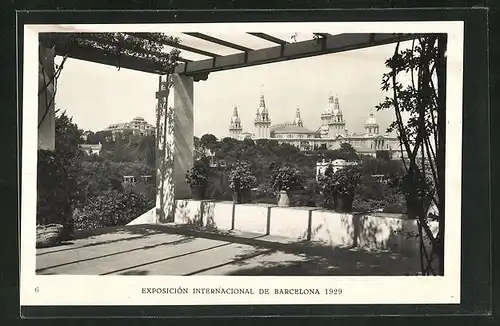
column 183, row 133
column 164, row 152
column 46, row 107
column 175, row 147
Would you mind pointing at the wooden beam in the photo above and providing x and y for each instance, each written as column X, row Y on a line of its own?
column 219, row 41
column 290, row 51
column 269, row 38
column 323, row 34
column 105, row 58
column 94, row 37
column 179, row 46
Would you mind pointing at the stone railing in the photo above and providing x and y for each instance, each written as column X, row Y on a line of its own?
column 382, row 231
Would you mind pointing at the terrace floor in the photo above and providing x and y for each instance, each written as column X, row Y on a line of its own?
column 180, row 250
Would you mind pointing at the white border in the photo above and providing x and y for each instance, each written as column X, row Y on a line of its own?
column 126, row 290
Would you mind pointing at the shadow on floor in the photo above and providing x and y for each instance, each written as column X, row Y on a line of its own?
column 298, row 258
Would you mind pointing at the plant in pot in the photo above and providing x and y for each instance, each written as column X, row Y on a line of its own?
column 241, row 181
column 197, row 178
column 284, row 180
column 339, row 188
column 418, row 192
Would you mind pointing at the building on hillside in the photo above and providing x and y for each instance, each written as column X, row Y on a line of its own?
column 138, row 126
column 336, row 165
column 331, row 133
column 91, row 149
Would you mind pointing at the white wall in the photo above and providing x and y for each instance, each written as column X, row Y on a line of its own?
column 380, row 232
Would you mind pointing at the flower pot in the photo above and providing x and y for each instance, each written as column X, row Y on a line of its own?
column 283, row 199
column 413, row 206
column 198, row 192
column 242, row 196
column 343, row 204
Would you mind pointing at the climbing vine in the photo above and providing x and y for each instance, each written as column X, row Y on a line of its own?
column 148, row 47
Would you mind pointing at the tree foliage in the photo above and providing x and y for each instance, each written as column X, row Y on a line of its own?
column 423, row 100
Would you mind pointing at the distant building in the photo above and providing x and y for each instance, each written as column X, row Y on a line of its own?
column 132, row 179
column 138, row 126
column 92, row 149
column 336, row 165
column 330, row 135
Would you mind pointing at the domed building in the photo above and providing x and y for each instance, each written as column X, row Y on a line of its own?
column 138, row 126
column 331, row 133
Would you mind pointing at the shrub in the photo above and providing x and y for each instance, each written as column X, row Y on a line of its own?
column 198, row 175
column 395, row 208
column 240, row 176
column 264, row 193
column 308, row 196
column 344, row 182
column 111, row 208
column 55, row 189
column 286, row 178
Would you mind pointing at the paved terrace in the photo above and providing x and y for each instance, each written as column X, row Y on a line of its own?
column 180, row 250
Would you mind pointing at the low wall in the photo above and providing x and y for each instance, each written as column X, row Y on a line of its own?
column 370, row 231
column 252, row 217
column 147, row 218
column 332, row 228
column 291, row 222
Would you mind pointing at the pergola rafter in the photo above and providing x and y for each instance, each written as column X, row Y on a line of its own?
column 219, row 41
column 269, row 38
column 325, row 44
column 179, row 46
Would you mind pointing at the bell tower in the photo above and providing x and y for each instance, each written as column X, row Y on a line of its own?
column 235, row 127
column 262, row 121
column 336, row 124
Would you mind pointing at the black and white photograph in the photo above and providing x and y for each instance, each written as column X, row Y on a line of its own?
column 247, row 156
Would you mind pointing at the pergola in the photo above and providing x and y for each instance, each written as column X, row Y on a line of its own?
column 195, row 63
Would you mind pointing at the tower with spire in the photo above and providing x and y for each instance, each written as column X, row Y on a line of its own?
column 371, row 125
column 336, row 123
column 262, row 120
column 326, row 116
column 235, row 127
column 298, row 120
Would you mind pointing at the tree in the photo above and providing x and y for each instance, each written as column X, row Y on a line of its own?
column 69, row 136
column 208, row 141
column 248, row 142
column 424, row 100
column 348, row 152
column 384, row 155
column 56, row 187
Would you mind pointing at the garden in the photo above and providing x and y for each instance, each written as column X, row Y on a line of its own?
column 265, row 171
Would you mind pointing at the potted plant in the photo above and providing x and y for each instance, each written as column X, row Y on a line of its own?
column 339, row 188
column 283, row 181
column 241, row 181
column 418, row 193
column 197, row 178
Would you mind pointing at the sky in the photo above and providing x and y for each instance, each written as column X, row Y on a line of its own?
column 96, row 95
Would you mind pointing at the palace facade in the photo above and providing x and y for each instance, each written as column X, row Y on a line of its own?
column 138, row 126
column 331, row 133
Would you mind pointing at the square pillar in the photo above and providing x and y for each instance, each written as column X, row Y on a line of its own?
column 46, row 106
column 183, row 133
column 175, row 145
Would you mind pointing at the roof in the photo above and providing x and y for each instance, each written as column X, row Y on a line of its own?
column 291, row 128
